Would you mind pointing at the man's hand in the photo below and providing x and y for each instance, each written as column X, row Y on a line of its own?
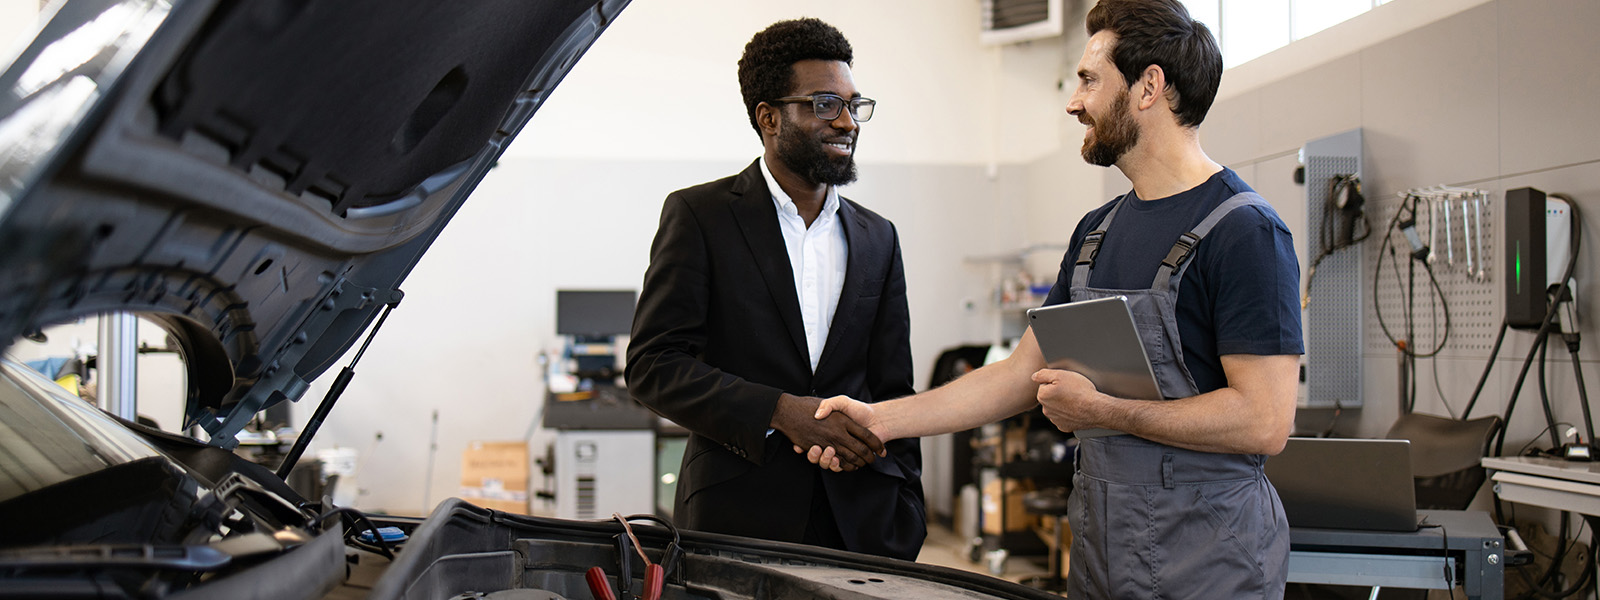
column 796, row 418
column 828, row 457
column 1068, row 398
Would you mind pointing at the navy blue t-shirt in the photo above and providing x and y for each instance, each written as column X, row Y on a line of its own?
column 1241, row 294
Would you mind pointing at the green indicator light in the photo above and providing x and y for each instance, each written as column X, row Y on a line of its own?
column 1519, row 266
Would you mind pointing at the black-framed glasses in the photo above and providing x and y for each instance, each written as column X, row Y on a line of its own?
column 827, row 106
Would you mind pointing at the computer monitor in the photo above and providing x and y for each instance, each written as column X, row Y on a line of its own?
column 594, row 313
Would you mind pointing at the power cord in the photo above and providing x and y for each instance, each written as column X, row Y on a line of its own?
column 1338, row 410
column 1346, row 205
column 1444, row 554
column 1553, row 572
column 1408, row 209
column 1583, row 391
column 1489, row 366
column 1528, row 449
column 1544, row 395
column 1439, row 387
column 1570, row 333
column 656, row 575
column 672, row 556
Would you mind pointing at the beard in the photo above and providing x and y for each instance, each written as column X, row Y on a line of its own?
column 806, row 157
column 1113, row 135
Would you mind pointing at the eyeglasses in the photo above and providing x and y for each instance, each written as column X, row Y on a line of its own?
column 828, row 106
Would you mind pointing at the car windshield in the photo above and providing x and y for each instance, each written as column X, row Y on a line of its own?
column 48, row 436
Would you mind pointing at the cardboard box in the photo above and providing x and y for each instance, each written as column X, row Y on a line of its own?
column 1015, row 444
column 1016, row 518
column 495, row 475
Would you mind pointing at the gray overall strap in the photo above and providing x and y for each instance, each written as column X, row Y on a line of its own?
column 1177, row 260
column 1091, row 247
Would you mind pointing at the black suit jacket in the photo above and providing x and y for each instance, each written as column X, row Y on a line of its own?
column 717, row 336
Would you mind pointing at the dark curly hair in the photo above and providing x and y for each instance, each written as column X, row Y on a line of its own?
column 767, row 67
column 1161, row 33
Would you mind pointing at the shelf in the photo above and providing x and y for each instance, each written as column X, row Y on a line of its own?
column 1016, row 256
column 1010, row 284
column 1018, row 306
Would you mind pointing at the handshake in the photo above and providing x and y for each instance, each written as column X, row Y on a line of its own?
column 836, row 433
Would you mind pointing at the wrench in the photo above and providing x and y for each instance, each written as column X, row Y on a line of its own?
column 1449, row 240
column 1466, row 238
column 1433, row 230
column 1479, row 200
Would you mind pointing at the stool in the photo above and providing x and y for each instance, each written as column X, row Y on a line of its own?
column 1051, row 502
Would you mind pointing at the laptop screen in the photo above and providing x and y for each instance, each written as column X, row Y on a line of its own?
column 1335, row 483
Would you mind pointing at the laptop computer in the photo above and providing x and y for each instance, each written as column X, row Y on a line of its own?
column 1335, row 483
column 1097, row 339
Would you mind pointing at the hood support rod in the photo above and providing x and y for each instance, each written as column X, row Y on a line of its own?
column 334, row 391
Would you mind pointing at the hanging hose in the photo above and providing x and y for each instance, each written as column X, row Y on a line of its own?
column 1487, row 367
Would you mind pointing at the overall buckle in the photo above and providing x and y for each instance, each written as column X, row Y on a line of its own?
column 1091, row 247
column 1181, row 250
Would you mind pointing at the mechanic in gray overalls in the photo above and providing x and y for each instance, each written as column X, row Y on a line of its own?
column 1179, row 507
column 1168, row 521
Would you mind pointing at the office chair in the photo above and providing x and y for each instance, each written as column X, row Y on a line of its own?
column 1051, row 502
column 1446, row 457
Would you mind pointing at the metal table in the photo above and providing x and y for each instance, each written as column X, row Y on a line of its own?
column 1464, row 544
column 1547, row 482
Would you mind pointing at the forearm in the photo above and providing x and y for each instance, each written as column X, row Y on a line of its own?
column 984, row 396
column 702, row 398
column 1253, row 414
column 1222, row 421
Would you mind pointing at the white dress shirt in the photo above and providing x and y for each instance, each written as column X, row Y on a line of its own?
column 818, row 256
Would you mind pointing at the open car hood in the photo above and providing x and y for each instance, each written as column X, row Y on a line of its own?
column 463, row 551
column 257, row 176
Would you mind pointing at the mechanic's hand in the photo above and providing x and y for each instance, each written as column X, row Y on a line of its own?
column 855, row 445
column 859, row 412
column 1067, row 397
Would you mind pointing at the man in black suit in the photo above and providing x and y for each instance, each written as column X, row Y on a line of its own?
column 767, row 290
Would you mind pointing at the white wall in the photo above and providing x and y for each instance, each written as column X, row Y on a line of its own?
column 661, row 83
column 942, row 97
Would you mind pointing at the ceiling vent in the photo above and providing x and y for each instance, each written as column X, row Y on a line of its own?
column 1012, row 21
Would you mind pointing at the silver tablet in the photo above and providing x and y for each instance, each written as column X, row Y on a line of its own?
column 1097, row 339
